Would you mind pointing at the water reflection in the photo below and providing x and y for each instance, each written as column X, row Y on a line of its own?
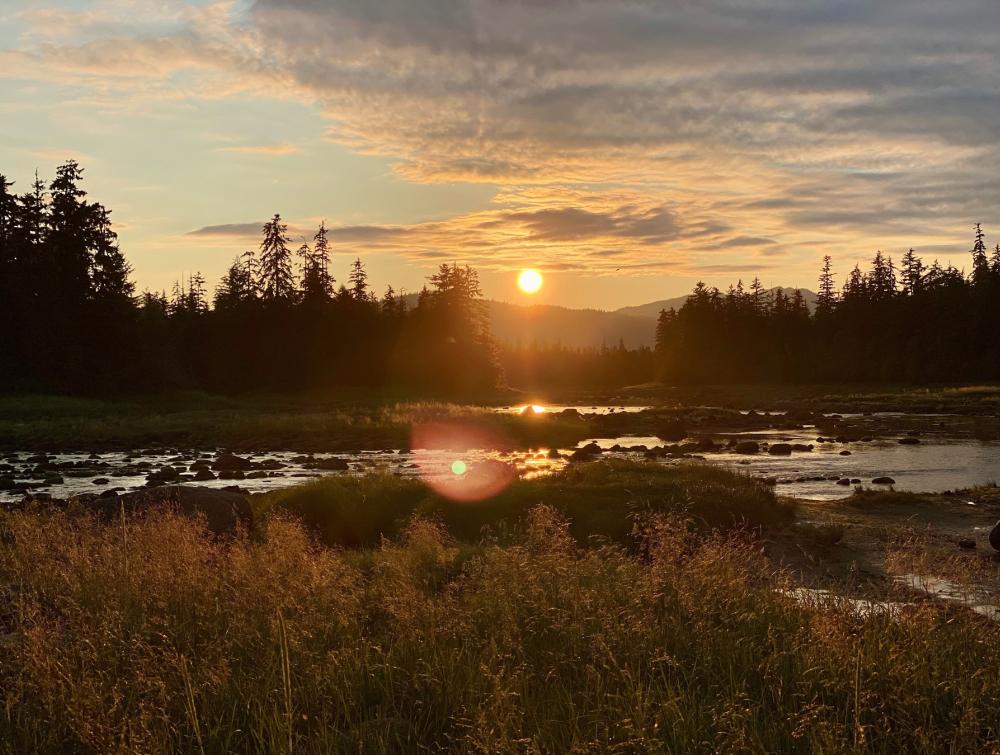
column 449, row 452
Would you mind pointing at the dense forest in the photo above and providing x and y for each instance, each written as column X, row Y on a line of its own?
column 280, row 320
column 915, row 322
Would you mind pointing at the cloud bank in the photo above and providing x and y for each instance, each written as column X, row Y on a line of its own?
column 636, row 135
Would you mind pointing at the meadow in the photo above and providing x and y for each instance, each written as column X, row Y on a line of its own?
column 359, row 419
column 372, row 616
column 348, row 422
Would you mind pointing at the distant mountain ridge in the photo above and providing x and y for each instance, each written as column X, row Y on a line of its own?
column 653, row 308
column 550, row 325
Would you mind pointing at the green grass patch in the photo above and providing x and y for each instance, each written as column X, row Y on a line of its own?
column 599, row 499
column 45, row 423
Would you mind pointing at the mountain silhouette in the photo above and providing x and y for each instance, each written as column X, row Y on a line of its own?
column 549, row 325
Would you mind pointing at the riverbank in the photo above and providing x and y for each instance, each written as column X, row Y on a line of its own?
column 52, row 424
column 358, row 420
column 599, row 608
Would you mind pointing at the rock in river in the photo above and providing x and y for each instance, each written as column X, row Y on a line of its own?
column 232, row 463
column 329, row 465
column 746, row 447
column 780, row 449
column 883, row 481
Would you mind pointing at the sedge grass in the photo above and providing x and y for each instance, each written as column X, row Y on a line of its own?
column 683, row 642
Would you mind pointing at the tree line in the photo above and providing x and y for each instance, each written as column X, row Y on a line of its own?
column 278, row 321
column 911, row 322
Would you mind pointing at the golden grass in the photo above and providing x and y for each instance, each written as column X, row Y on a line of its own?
column 149, row 636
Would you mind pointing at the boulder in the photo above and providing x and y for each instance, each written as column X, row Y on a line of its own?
column 747, row 447
column 203, row 475
column 223, row 510
column 582, row 454
column 166, row 474
column 672, row 432
column 780, row 449
column 231, row 463
column 883, row 481
column 329, row 465
column 909, row 441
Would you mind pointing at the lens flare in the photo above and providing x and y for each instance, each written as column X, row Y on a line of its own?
column 529, row 281
column 461, row 479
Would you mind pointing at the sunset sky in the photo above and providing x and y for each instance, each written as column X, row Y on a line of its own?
column 626, row 148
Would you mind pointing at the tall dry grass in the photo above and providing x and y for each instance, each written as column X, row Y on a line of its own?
column 149, row 636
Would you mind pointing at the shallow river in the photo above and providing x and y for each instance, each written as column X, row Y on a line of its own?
column 936, row 465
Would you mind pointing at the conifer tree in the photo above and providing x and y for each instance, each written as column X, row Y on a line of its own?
column 237, row 285
column 276, row 281
column 664, row 322
column 111, row 271
column 758, row 297
column 913, row 272
column 8, row 214
column 321, row 259
column 32, row 223
column 881, row 281
column 389, row 302
column 826, row 299
column 8, row 254
column 317, row 284
column 196, row 301
column 358, row 280
column 69, row 238
column 980, row 265
column 855, row 286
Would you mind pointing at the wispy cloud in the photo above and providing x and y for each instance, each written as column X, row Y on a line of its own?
column 62, row 155
column 229, row 230
column 274, row 150
column 633, row 135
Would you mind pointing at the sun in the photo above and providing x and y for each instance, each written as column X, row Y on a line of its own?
column 529, row 281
